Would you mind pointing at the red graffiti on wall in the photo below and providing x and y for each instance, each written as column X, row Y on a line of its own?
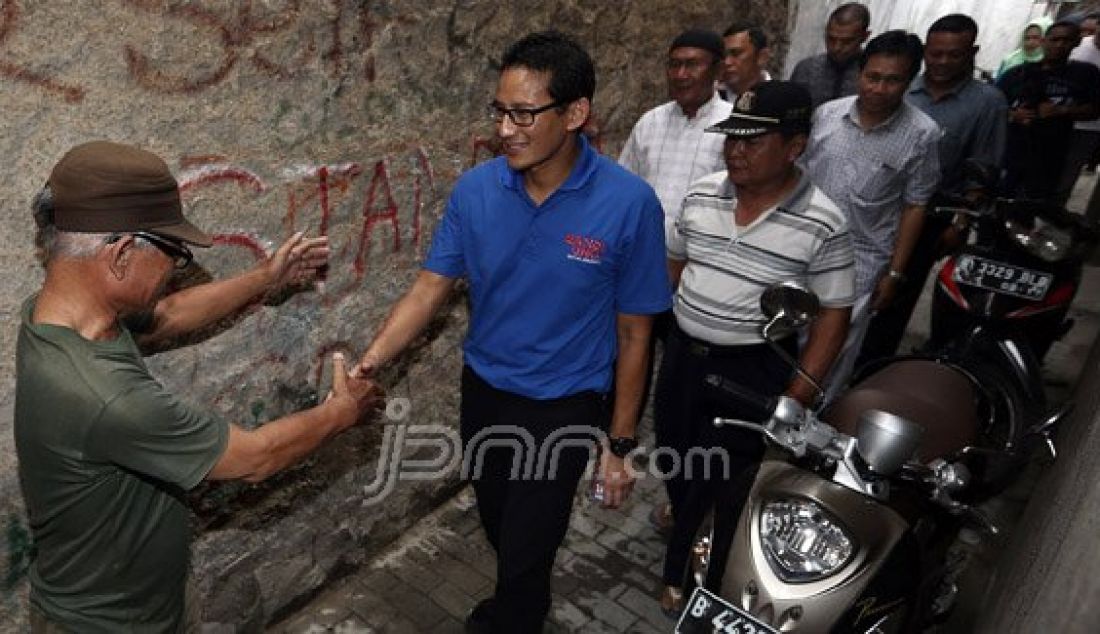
column 9, row 16
column 209, row 174
column 238, row 36
column 322, row 188
column 342, row 200
column 373, row 215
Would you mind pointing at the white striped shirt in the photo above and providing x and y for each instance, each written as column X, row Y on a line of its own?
column 670, row 151
column 804, row 239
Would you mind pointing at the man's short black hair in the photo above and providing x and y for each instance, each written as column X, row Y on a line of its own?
column 1074, row 28
column 896, row 44
column 756, row 34
column 955, row 23
column 851, row 12
column 572, row 74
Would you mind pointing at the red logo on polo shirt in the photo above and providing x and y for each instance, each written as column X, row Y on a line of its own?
column 584, row 249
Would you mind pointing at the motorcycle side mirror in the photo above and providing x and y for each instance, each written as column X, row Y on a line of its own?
column 788, row 307
column 980, row 173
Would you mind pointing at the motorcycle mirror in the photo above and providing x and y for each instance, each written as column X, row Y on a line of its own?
column 980, row 173
column 788, row 307
column 885, row 441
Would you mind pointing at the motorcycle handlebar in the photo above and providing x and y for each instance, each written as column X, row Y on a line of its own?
column 734, row 395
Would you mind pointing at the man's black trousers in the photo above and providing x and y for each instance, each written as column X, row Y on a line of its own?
column 525, row 497
column 684, row 411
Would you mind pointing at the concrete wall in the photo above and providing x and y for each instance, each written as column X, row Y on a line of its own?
column 1046, row 580
column 344, row 117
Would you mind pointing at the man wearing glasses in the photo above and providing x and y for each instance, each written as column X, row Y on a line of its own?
column 105, row 452
column 562, row 249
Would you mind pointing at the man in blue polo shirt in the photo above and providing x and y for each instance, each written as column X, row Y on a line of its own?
column 563, row 251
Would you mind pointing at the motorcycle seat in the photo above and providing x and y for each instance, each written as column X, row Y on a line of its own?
column 935, row 396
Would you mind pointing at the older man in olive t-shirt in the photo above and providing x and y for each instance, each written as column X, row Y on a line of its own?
column 105, row 452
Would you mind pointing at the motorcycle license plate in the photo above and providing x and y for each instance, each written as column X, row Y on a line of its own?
column 1002, row 278
column 707, row 613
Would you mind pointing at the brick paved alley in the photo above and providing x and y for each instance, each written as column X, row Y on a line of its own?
column 606, row 576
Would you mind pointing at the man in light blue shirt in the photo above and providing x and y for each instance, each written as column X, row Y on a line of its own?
column 875, row 156
column 974, row 117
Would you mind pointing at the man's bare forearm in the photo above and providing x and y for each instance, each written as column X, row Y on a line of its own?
column 408, row 318
column 254, row 455
column 826, row 338
column 630, row 372
column 296, row 261
column 912, row 219
column 199, row 306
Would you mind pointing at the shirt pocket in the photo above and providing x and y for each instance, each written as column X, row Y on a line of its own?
column 877, row 183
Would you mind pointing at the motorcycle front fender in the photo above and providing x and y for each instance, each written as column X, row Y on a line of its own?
column 750, row 582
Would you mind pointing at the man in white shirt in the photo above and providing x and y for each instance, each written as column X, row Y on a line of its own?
column 667, row 146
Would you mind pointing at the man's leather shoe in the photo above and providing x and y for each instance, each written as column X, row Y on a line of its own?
column 480, row 619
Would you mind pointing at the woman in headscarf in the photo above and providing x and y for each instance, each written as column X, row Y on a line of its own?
column 1031, row 45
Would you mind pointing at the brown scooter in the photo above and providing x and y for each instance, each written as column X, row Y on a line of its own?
column 845, row 526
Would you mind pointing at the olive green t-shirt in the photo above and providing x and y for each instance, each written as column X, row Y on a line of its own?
column 105, row 453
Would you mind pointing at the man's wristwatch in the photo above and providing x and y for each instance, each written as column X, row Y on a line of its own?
column 620, row 447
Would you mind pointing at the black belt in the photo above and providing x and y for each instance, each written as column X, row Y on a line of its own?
column 705, row 349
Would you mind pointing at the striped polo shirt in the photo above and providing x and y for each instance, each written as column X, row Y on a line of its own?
column 804, row 239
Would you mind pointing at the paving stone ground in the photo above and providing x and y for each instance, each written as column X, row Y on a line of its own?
column 606, row 576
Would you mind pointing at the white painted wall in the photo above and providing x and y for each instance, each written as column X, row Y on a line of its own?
column 1000, row 23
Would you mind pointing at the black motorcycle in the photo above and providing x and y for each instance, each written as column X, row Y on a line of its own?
column 1018, row 273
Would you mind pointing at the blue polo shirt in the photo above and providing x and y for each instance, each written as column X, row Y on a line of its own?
column 547, row 281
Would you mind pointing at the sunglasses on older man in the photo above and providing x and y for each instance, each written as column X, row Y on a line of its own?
column 180, row 254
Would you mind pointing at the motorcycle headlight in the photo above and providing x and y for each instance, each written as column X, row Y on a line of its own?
column 802, row 541
column 1045, row 242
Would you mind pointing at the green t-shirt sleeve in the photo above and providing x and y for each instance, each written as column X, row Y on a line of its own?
column 149, row 431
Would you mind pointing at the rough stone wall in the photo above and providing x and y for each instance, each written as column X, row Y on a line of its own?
column 333, row 116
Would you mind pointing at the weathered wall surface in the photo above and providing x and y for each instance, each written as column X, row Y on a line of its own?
column 333, row 116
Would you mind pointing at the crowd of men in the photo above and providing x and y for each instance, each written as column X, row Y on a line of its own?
column 737, row 182
column 838, row 200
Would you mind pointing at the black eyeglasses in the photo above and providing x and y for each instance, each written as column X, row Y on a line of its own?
column 522, row 117
column 180, row 254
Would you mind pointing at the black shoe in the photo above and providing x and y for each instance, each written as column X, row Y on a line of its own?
column 480, row 619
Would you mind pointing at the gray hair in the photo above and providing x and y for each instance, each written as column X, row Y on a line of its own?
column 51, row 242
column 70, row 244
column 76, row 245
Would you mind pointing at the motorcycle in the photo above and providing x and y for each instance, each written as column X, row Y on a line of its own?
column 846, row 527
column 1018, row 272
